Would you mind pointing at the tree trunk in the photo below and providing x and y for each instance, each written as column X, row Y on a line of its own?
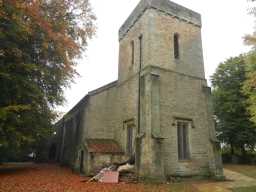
column 243, row 151
column 232, row 149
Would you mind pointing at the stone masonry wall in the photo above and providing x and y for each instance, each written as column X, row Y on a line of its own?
column 108, row 110
column 99, row 114
column 158, row 30
column 181, row 87
column 125, row 69
column 173, row 89
column 161, row 49
column 182, row 97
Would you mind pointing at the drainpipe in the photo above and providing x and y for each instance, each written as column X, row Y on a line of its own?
column 139, row 86
column 139, row 136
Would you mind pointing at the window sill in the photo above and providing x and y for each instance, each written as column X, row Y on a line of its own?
column 185, row 161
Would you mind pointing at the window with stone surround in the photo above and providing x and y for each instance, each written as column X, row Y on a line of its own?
column 132, row 53
column 141, row 50
column 176, row 46
column 129, row 140
column 129, row 128
column 183, row 139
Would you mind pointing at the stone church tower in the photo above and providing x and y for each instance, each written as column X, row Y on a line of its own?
column 159, row 108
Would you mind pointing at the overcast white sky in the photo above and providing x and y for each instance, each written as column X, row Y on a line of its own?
column 225, row 22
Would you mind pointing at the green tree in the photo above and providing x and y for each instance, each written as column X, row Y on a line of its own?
column 39, row 43
column 233, row 120
column 249, row 88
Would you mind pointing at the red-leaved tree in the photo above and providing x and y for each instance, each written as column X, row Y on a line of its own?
column 39, row 43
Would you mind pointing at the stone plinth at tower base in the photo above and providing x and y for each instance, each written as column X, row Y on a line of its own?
column 151, row 168
column 216, row 165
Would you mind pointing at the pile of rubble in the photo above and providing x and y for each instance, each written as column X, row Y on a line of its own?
column 119, row 172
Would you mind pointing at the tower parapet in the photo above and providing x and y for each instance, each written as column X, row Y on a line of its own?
column 165, row 6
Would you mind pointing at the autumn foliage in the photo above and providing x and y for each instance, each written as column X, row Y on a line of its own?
column 52, row 178
column 40, row 41
column 250, row 84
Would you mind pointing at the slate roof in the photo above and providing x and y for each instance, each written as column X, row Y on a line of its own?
column 165, row 6
column 103, row 146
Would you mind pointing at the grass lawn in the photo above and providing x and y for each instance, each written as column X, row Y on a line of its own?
column 245, row 189
column 248, row 170
column 179, row 187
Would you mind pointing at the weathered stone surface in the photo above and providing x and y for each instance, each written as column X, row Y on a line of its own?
column 165, row 6
column 170, row 90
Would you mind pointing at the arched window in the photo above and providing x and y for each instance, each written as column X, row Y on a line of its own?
column 176, row 46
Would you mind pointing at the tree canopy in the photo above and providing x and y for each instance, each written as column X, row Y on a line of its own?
column 250, row 83
column 230, row 104
column 234, row 96
column 249, row 88
column 40, row 41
